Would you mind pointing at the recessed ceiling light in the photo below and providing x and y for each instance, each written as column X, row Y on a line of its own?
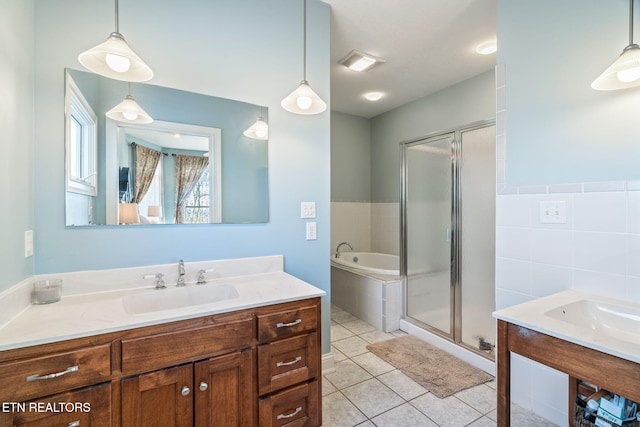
column 373, row 96
column 487, row 48
column 358, row 61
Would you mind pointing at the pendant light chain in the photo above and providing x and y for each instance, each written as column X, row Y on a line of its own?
column 304, row 40
column 630, row 22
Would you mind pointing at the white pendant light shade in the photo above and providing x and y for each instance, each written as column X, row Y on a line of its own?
column 115, row 59
column 304, row 100
column 258, row 130
column 623, row 73
column 129, row 111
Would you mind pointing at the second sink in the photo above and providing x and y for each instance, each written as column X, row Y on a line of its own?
column 168, row 299
column 616, row 321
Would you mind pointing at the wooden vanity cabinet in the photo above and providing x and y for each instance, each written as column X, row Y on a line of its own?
column 258, row 366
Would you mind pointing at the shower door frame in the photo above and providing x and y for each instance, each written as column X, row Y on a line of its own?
column 455, row 333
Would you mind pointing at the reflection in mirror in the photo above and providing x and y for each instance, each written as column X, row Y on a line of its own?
column 191, row 165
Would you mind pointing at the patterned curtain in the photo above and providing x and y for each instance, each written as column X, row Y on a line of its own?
column 188, row 172
column 146, row 162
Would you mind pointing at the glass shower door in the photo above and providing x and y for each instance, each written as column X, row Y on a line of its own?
column 427, row 216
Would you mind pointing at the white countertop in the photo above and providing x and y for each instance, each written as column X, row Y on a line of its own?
column 100, row 312
column 532, row 315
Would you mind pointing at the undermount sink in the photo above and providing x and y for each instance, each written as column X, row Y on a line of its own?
column 167, row 299
column 616, row 321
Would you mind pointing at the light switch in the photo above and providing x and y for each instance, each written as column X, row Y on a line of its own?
column 307, row 210
column 312, row 231
column 28, row 243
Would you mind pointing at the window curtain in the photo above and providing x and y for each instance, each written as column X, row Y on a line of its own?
column 189, row 169
column 146, row 162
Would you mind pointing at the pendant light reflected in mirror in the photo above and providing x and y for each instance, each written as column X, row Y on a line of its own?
column 303, row 100
column 625, row 71
column 129, row 111
column 258, row 130
column 115, row 59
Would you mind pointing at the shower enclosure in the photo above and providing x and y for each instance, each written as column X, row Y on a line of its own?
column 448, row 234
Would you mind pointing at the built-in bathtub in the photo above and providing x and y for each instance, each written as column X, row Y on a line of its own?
column 368, row 285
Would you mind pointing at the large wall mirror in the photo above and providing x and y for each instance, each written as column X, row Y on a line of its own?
column 191, row 165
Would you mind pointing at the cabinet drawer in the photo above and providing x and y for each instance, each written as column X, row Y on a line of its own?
column 47, row 375
column 162, row 350
column 287, row 362
column 295, row 407
column 88, row 407
column 287, row 323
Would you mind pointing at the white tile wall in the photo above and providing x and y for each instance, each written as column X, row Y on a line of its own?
column 597, row 251
column 369, row 227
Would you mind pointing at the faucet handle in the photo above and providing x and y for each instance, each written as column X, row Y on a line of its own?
column 160, row 282
column 201, row 278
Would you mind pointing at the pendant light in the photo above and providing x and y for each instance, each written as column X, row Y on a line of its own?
column 304, row 100
column 625, row 71
column 115, row 59
column 258, row 130
column 129, row 111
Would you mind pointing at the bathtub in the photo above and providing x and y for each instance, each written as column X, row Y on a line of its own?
column 368, row 286
column 370, row 262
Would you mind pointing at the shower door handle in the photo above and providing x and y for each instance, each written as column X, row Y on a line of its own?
column 449, row 234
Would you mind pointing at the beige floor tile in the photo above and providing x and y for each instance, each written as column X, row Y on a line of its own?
column 373, row 364
column 482, row 398
column 337, row 411
column 343, row 317
column 347, row 373
column 376, row 336
column 359, row 327
column 483, row 422
column 447, row 412
column 372, row 397
column 402, row 384
column 339, row 332
column 328, row 388
column 351, row 346
column 338, row 356
column 403, row 416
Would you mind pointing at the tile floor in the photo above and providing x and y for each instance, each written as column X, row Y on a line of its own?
column 366, row 391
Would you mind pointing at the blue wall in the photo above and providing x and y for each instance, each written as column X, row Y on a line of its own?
column 466, row 102
column 16, row 123
column 249, row 51
column 558, row 129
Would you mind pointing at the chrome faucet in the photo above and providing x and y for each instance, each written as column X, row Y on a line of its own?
column 180, row 273
column 338, row 248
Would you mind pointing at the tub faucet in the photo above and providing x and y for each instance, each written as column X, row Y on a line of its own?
column 338, row 248
column 180, row 273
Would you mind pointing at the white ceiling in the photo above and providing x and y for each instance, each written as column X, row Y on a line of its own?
column 428, row 45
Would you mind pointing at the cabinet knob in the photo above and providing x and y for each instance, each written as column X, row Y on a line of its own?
column 185, row 391
column 204, row 386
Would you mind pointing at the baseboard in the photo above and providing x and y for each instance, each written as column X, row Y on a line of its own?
column 328, row 363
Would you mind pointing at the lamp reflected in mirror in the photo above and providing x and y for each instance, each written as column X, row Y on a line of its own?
column 128, row 213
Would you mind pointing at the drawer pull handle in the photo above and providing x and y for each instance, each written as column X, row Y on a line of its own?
column 292, row 362
column 203, row 386
column 50, row 376
column 185, row 391
column 74, row 423
column 288, row 325
column 294, row 413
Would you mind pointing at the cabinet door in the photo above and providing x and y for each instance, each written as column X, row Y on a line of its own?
column 159, row 399
column 224, row 394
column 87, row 407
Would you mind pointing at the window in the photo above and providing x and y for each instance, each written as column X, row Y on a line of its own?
column 81, row 129
column 196, row 208
column 153, row 198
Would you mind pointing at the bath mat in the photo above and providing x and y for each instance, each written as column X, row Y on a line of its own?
column 434, row 369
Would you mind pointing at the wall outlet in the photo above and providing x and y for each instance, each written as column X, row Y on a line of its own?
column 553, row 212
column 312, row 231
column 28, row 243
column 307, row 210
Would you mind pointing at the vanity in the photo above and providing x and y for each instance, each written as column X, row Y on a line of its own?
column 588, row 337
column 248, row 360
